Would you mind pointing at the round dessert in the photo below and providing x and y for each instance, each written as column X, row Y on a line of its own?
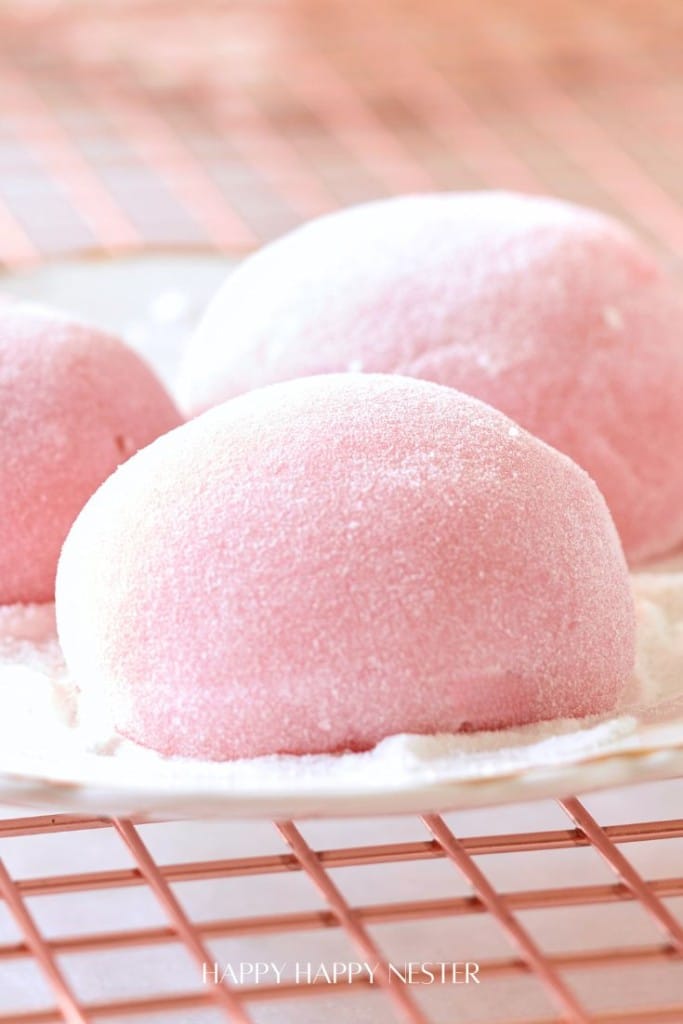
column 552, row 313
column 319, row 564
column 74, row 403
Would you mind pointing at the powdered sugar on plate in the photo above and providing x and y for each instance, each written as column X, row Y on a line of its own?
column 49, row 728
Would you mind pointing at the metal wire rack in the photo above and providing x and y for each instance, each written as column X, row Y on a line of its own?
column 127, row 124
column 131, row 125
column 550, row 971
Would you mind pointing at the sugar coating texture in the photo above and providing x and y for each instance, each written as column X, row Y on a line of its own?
column 320, row 564
column 74, row 403
column 552, row 313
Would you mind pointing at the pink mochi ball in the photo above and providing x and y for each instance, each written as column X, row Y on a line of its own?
column 320, row 564
column 554, row 314
column 74, row 403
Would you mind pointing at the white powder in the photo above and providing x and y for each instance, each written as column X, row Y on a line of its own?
column 48, row 728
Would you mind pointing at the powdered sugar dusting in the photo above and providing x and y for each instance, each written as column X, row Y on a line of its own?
column 46, row 722
column 214, row 586
column 550, row 312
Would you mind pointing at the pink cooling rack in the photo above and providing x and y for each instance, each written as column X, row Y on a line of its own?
column 126, row 124
column 235, row 1003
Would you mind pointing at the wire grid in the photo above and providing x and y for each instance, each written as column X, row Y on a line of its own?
column 126, row 124
column 129, row 125
column 236, row 1003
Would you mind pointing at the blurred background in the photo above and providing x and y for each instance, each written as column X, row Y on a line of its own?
column 135, row 123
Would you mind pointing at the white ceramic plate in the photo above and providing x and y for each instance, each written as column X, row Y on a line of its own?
column 154, row 301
